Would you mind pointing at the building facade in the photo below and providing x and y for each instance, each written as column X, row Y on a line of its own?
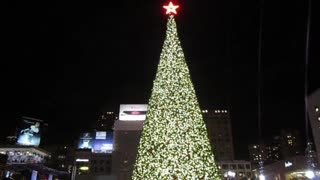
column 293, row 168
column 218, row 122
column 3, row 162
column 235, row 169
column 290, row 143
column 127, row 134
column 24, row 154
column 264, row 152
column 26, row 161
column 314, row 119
column 126, row 137
column 90, row 164
column 106, row 121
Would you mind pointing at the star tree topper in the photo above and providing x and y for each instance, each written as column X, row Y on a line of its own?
column 171, row 9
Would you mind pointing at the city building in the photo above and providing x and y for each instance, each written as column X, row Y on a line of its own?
column 218, row 122
column 235, row 169
column 89, row 163
column 314, row 119
column 82, row 162
column 287, row 144
column 3, row 162
column 290, row 143
column 292, row 168
column 62, row 157
column 106, row 121
column 24, row 154
column 127, row 133
column 263, row 152
column 23, row 161
column 93, row 158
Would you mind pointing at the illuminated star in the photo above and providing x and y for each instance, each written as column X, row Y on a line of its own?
column 171, row 8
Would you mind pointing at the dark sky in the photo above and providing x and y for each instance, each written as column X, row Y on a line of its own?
column 64, row 62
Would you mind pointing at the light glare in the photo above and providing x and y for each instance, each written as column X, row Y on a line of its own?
column 309, row 174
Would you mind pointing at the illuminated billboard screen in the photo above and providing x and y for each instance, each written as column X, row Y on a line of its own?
column 133, row 112
column 29, row 132
column 103, row 142
column 86, row 141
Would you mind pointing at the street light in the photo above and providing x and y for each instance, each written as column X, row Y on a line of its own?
column 262, row 177
column 309, row 174
column 231, row 174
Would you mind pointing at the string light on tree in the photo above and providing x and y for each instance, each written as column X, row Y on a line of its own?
column 174, row 144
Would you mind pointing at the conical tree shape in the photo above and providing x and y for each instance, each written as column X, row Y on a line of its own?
column 174, row 142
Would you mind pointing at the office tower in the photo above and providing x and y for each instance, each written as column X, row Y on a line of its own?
column 106, row 121
column 93, row 157
column 290, row 143
column 127, row 133
column 264, row 152
column 218, row 122
column 314, row 118
column 235, row 169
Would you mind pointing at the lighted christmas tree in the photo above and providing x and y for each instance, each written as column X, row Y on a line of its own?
column 174, row 142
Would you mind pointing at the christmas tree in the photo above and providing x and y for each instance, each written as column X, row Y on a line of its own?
column 174, row 142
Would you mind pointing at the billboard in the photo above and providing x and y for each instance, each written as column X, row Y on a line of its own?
column 29, row 132
column 103, row 142
column 86, row 141
column 133, row 112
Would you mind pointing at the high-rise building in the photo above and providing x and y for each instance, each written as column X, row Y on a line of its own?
column 93, row 164
column 93, row 158
column 62, row 156
column 264, row 152
column 314, row 118
column 218, row 124
column 106, row 121
column 283, row 146
column 127, row 133
column 290, row 143
column 235, row 169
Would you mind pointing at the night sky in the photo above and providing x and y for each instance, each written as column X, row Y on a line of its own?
column 66, row 62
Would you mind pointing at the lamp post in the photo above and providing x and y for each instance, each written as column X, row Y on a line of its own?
column 231, row 175
column 262, row 177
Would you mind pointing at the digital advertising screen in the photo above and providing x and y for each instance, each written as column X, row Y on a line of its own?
column 30, row 132
column 133, row 112
column 103, row 142
column 86, row 141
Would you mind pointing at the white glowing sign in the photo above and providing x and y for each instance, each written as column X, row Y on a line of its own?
column 82, row 160
column 133, row 112
column 288, row 164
